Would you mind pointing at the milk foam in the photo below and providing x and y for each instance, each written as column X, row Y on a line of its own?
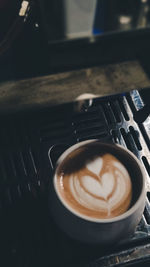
column 102, row 186
column 95, row 166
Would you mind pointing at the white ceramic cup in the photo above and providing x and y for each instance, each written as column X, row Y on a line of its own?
column 100, row 231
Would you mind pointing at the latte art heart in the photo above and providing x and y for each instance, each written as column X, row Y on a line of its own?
column 100, row 189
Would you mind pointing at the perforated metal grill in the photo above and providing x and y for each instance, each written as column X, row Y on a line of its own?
column 28, row 235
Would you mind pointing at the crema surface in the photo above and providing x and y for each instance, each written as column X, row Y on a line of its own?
column 100, row 188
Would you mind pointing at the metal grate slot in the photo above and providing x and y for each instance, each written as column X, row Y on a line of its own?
column 28, row 165
column 91, row 135
column 54, row 134
column 146, row 131
column 116, row 111
column 54, row 130
column 114, row 137
column 126, row 138
column 145, row 137
column 25, row 189
column 123, row 109
column 15, row 194
column 146, row 164
column 148, row 196
column 85, row 116
column 101, row 131
column 108, row 114
column 85, row 125
column 12, row 165
column 35, row 189
column 135, row 135
column 147, row 211
column 55, row 125
column 20, row 166
column 97, row 128
column 34, row 160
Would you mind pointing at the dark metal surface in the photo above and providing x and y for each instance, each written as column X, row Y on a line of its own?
column 28, row 235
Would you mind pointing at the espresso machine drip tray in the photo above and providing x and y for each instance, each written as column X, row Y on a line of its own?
column 28, row 235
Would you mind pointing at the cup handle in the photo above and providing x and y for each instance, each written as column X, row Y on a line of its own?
column 54, row 153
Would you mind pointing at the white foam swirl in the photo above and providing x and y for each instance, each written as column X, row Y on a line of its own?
column 105, row 190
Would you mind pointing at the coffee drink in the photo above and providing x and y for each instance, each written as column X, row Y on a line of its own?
column 97, row 194
column 94, row 183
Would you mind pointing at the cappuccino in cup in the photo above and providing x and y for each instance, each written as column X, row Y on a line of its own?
column 99, row 186
column 97, row 194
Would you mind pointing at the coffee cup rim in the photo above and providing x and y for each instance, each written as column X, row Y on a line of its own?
column 88, row 218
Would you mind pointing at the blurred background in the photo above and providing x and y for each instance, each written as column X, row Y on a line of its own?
column 102, row 45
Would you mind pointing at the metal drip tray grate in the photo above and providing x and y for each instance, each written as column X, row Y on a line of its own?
column 29, row 236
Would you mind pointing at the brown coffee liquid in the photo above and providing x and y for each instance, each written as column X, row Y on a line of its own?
column 99, row 187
